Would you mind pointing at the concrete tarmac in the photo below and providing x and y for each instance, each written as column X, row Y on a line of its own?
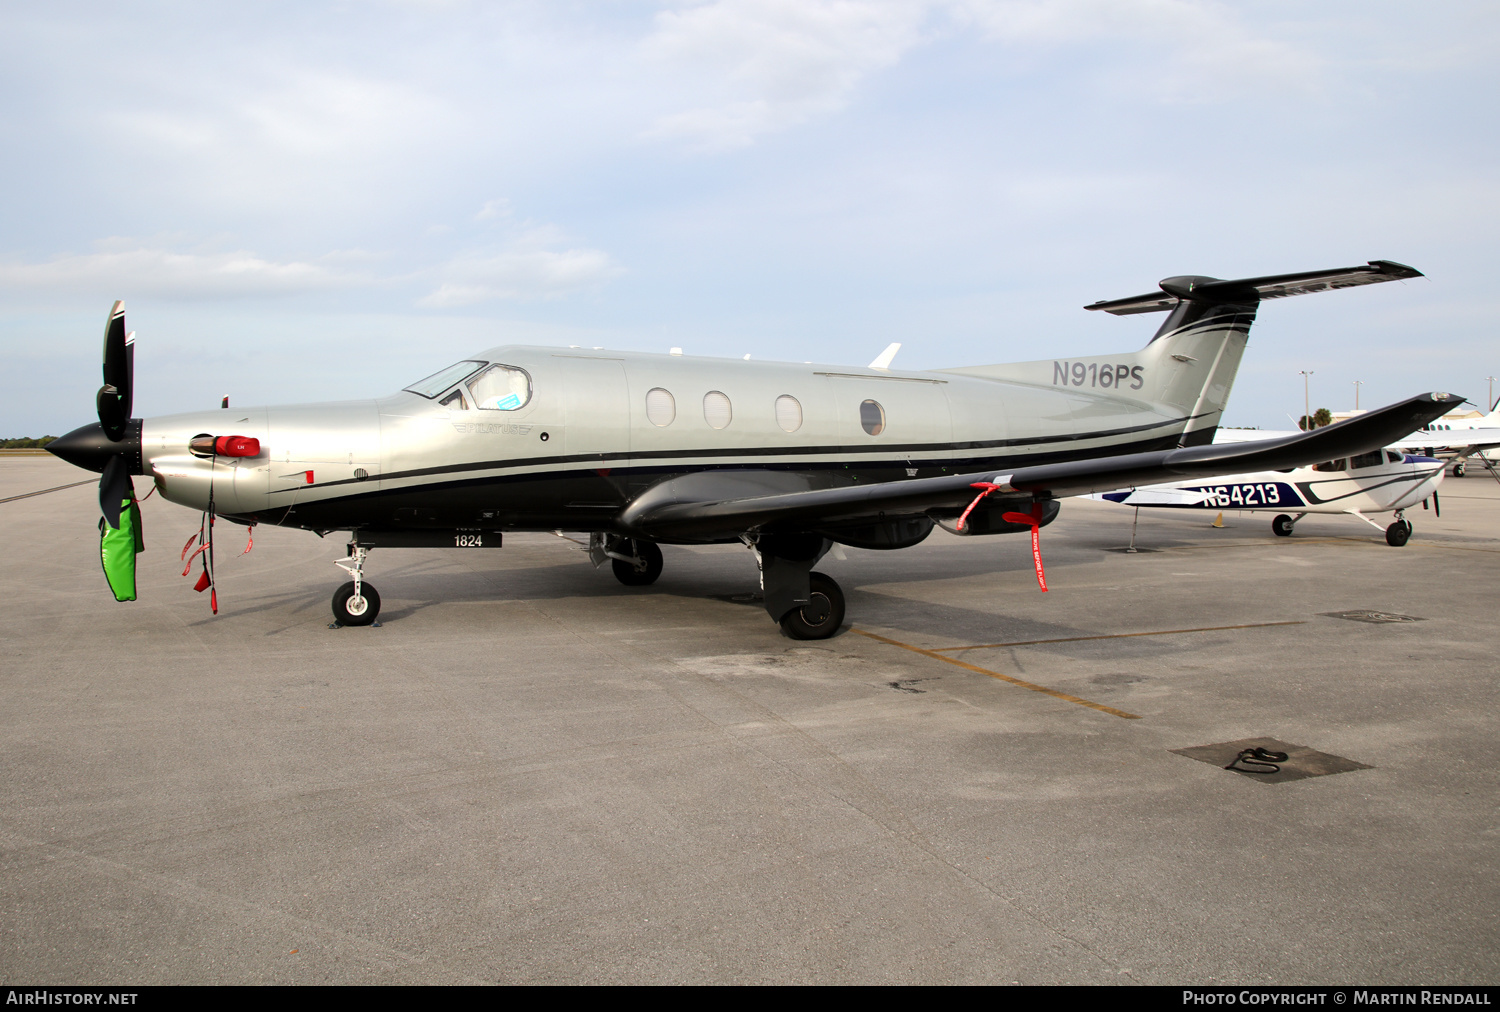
column 532, row 774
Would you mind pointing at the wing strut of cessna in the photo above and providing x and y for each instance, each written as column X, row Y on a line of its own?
column 638, row 450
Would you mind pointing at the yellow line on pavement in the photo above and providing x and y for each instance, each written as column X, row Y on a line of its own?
column 1004, row 678
column 1114, row 636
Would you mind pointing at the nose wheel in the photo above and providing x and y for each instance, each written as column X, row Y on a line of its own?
column 356, row 602
column 355, row 605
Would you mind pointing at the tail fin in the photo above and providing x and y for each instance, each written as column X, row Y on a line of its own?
column 1192, row 360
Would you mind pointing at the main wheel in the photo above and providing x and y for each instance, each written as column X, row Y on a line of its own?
column 351, row 610
column 821, row 616
column 647, row 552
column 1398, row 533
column 1282, row 526
column 1458, row 469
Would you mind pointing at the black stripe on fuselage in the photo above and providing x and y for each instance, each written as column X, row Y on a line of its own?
column 730, row 456
column 1313, row 499
column 588, row 499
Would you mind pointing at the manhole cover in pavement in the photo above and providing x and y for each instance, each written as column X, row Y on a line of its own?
column 1301, row 762
column 1371, row 616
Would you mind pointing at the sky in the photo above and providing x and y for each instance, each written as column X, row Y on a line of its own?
column 323, row 201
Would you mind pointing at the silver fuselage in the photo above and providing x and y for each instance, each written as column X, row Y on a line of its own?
column 584, row 444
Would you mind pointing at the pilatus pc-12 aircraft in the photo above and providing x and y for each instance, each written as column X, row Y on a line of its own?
column 636, row 450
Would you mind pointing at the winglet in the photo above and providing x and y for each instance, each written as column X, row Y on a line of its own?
column 884, row 359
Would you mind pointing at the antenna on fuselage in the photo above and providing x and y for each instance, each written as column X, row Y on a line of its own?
column 884, row 359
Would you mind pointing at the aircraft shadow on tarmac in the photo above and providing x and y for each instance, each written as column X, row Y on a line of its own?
column 427, row 580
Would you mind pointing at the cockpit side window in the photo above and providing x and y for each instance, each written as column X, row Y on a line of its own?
column 1371, row 459
column 440, row 381
column 500, row 388
column 1330, row 465
column 1394, row 457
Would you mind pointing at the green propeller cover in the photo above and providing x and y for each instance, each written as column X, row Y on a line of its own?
column 118, row 548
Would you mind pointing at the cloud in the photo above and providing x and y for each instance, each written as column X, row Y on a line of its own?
column 774, row 64
column 778, row 62
column 1211, row 52
column 144, row 271
column 535, row 261
column 519, row 275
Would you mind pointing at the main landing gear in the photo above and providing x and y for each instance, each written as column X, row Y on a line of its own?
column 1283, row 524
column 821, row 616
column 356, row 602
column 807, row 605
column 636, row 562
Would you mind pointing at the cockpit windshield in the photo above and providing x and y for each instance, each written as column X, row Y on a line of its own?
column 440, row 381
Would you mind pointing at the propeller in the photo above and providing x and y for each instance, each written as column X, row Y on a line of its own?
column 119, row 375
column 113, row 447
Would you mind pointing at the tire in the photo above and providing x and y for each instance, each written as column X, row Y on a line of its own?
column 822, row 616
column 1398, row 533
column 361, row 611
column 647, row 552
column 1459, row 469
column 1282, row 526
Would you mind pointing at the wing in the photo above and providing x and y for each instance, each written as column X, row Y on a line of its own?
column 1463, row 441
column 710, row 504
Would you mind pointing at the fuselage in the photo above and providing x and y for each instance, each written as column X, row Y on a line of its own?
column 547, row 438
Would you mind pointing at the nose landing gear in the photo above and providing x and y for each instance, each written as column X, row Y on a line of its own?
column 356, row 602
column 1398, row 533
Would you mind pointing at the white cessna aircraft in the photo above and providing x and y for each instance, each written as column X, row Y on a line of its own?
column 1380, row 481
column 1457, row 439
column 633, row 451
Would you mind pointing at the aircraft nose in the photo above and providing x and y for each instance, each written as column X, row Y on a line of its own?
column 89, row 448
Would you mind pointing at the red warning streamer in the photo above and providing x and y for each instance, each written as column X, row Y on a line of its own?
column 1034, row 518
column 988, row 488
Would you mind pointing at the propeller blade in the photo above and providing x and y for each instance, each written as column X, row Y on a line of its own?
column 115, row 488
column 114, row 399
column 1437, row 508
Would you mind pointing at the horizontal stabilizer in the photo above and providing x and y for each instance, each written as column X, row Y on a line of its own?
column 1216, row 291
column 729, row 503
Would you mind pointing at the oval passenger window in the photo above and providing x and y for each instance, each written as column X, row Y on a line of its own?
column 661, row 406
column 788, row 413
column 717, row 410
column 872, row 417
